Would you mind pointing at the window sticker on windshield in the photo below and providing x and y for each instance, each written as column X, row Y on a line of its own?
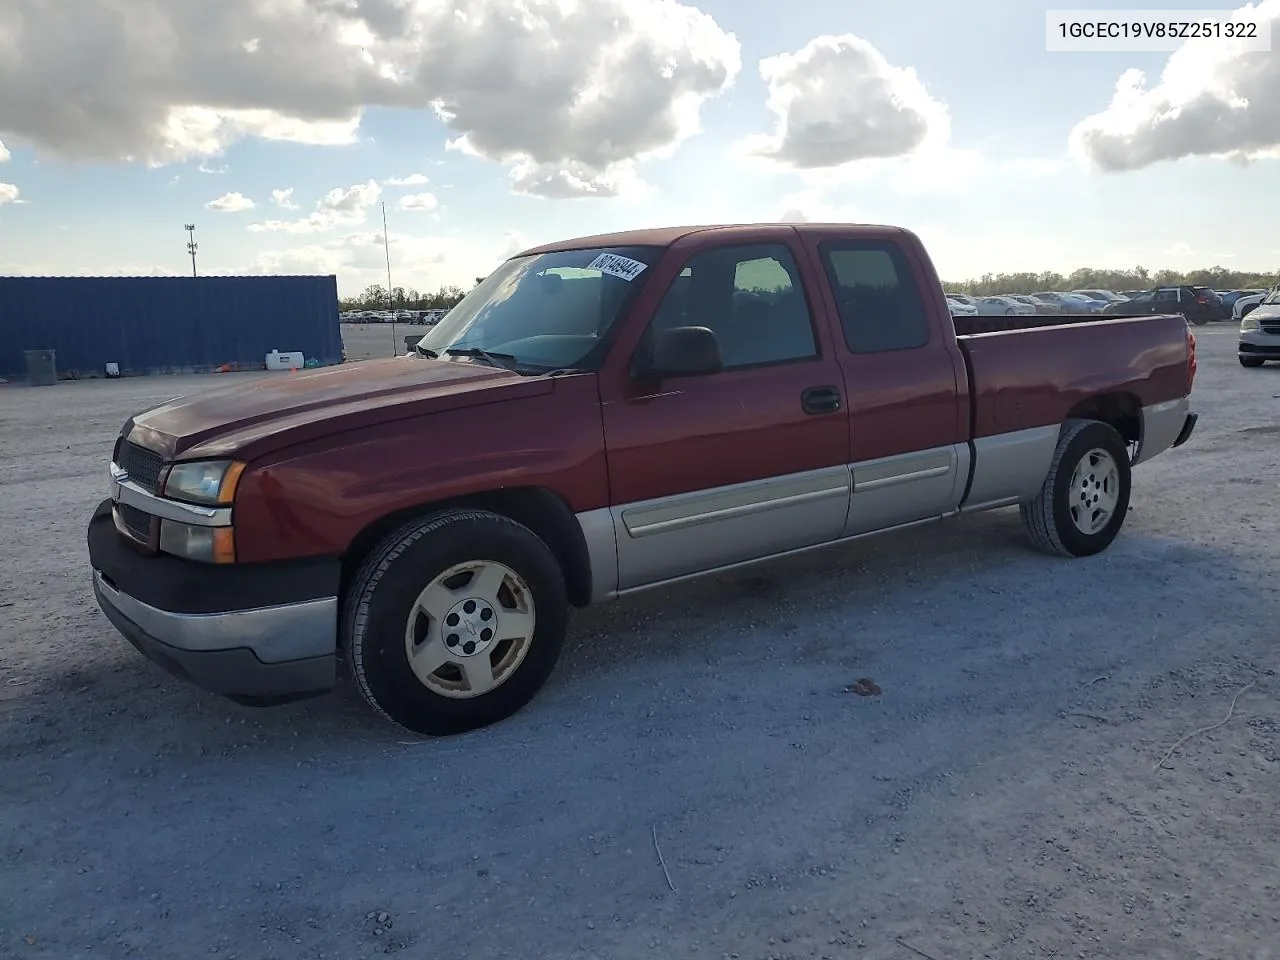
column 617, row 266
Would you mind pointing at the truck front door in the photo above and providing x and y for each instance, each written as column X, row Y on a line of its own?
column 748, row 461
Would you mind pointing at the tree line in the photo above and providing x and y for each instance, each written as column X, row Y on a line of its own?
column 1088, row 278
column 374, row 297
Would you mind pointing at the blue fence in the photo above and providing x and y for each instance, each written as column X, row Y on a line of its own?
column 166, row 324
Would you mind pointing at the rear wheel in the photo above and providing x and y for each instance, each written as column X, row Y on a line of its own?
column 455, row 621
column 1083, row 502
column 1251, row 361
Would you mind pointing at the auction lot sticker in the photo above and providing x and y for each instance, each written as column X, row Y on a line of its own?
column 617, row 266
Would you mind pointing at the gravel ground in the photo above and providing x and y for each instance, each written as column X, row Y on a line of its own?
column 998, row 798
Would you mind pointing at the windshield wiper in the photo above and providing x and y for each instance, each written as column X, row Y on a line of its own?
column 425, row 352
column 503, row 361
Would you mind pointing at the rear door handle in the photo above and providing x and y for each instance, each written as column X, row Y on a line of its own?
column 818, row 400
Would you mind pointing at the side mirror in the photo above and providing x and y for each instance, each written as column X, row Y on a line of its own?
column 683, row 352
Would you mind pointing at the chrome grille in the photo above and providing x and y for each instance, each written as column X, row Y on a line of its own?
column 142, row 465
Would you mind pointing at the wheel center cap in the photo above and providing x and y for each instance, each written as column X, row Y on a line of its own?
column 469, row 627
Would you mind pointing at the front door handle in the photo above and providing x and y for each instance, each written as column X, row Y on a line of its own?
column 818, row 400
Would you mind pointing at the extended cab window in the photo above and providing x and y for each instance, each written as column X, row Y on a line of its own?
column 751, row 297
column 876, row 293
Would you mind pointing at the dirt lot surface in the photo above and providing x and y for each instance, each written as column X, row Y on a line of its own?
column 998, row 798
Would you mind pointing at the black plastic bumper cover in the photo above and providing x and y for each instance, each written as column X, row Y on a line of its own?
column 1188, row 427
column 185, row 588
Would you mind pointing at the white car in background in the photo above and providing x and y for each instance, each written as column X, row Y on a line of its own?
column 959, row 308
column 1004, row 307
column 1246, row 305
column 1260, row 332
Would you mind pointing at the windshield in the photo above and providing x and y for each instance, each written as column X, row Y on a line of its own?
column 546, row 311
column 1271, row 299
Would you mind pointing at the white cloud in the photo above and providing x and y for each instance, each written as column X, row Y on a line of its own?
column 513, row 242
column 419, row 201
column 340, row 207
column 358, row 259
column 574, row 179
column 8, row 194
column 412, row 180
column 4, row 153
column 283, row 198
column 839, row 101
column 546, row 86
column 812, row 206
column 1212, row 99
column 230, row 203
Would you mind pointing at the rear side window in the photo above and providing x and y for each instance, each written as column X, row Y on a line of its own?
column 876, row 294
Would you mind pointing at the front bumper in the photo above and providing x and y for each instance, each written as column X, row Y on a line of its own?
column 255, row 633
column 1259, row 343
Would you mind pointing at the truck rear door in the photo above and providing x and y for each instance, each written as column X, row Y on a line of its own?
column 903, row 373
column 750, row 461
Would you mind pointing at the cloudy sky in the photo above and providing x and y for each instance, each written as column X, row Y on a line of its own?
column 280, row 127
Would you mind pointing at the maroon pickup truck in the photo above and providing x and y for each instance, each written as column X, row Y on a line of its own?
column 598, row 417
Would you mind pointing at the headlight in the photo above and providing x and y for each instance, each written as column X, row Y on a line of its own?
column 1249, row 323
column 205, row 544
column 210, row 482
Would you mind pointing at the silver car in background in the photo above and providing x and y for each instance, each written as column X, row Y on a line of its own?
column 1260, row 331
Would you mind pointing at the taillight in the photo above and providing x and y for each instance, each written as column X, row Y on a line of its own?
column 1191, row 360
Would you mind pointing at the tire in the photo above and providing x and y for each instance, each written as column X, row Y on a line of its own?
column 410, row 587
column 1010, row 313
column 1079, row 467
column 1251, row 361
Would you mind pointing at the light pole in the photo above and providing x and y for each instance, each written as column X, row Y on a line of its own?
column 391, row 303
column 192, row 246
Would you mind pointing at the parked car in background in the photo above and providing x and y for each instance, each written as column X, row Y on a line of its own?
column 964, row 298
column 1038, row 305
column 1103, row 296
column 1260, row 332
column 1231, row 296
column 1071, row 302
column 600, row 416
column 1003, row 307
column 1188, row 301
column 1246, row 305
column 1217, row 308
column 961, row 309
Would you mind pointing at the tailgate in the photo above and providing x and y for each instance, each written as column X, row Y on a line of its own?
column 1033, row 377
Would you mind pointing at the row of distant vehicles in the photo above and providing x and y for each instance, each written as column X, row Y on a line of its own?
column 1198, row 304
column 424, row 318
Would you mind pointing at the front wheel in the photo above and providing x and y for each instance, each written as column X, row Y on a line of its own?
column 1083, row 502
column 1251, row 361
column 455, row 621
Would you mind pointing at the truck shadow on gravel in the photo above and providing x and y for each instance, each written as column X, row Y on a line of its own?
column 965, row 594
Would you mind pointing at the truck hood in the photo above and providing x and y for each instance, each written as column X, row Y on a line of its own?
column 247, row 418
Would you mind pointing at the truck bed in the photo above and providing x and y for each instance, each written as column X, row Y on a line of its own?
column 1031, row 371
